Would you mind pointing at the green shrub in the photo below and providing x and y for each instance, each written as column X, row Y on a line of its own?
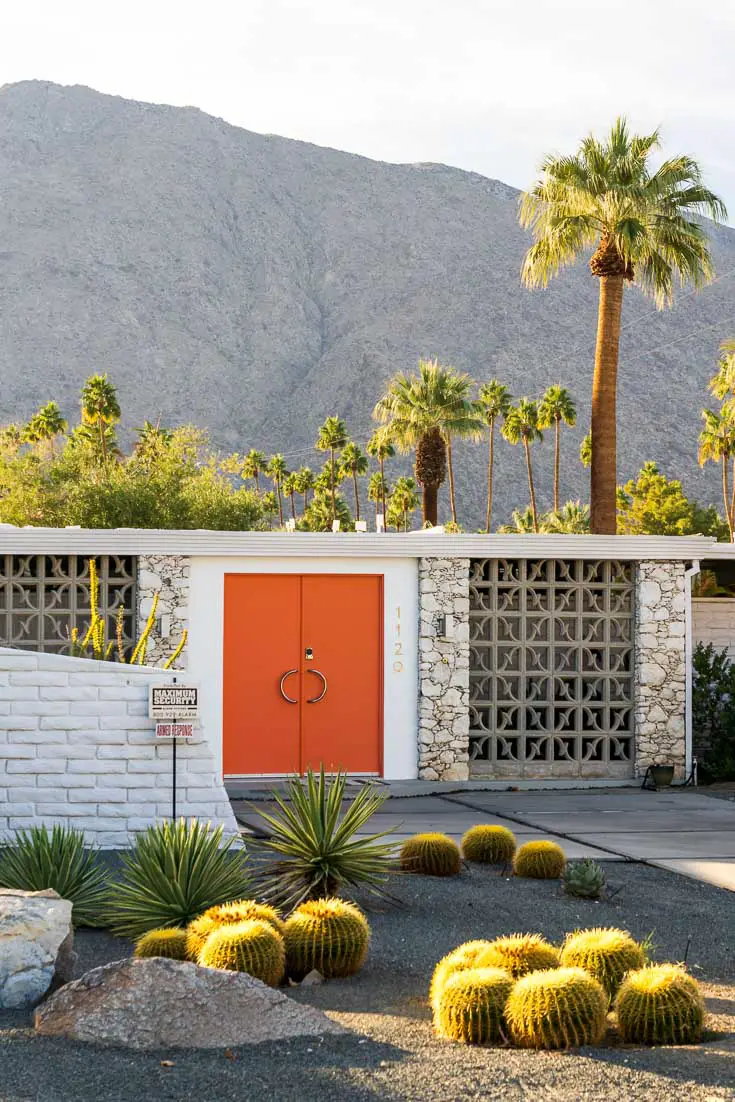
column 560, row 1008
column 471, row 1004
column 540, row 861
column 39, row 860
column 170, row 942
column 607, row 954
column 489, row 845
column 585, row 879
column 660, row 1005
column 224, row 914
column 519, row 954
column 431, row 854
column 252, row 946
column 174, row 872
column 328, row 935
column 713, row 713
column 464, row 956
column 314, row 849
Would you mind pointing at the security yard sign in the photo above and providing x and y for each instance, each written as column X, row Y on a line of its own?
column 174, row 730
column 173, row 702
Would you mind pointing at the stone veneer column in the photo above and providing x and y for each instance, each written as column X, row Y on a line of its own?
column 167, row 575
column 444, row 670
column 660, row 666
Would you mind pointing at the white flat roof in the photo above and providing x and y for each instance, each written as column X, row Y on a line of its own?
column 421, row 544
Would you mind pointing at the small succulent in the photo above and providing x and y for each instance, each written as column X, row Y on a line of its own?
column 585, row 879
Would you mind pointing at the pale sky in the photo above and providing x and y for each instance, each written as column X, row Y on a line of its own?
column 485, row 85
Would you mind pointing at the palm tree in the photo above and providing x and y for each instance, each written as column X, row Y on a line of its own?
column 100, row 411
column 380, row 447
column 253, row 465
column 458, row 397
column 722, row 384
column 557, row 405
column 304, row 483
column 585, row 450
column 270, row 504
column 378, row 491
column 151, row 438
column 277, row 472
column 403, row 501
column 717, row 443
column 522, row 521
column 573, row 518
column 45, row 425
column 332, row 438
column 354, row 463
column 290, row 489
column 643, row 228
column 521, row 426
column 495, row 401
column 421, row 412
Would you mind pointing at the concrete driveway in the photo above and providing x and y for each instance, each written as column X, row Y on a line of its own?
column 682, row 830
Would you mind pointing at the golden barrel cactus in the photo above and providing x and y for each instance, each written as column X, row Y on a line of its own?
column 464, row 956
column 540, row 860
column 224, row 914
column 328, row 935
column 560, row 1008
column 489, row 844
column 170, row 942
column 660, row 1005
column 471, row 1005
column 431, row 854
column 252, row 946
column 519, row 954
column 606, row 953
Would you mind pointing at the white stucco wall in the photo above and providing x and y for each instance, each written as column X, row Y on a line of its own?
column 713, row 621
column 77, row 748
column 400, row 582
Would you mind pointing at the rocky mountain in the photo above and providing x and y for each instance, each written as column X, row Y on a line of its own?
column 254, row 284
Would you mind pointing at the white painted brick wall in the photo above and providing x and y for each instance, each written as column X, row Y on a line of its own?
column 77, row 748
column 713, row 621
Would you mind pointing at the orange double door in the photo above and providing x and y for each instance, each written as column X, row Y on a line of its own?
column 302, row 673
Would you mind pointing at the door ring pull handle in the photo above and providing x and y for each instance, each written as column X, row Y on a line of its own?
column 323, row 693
column 288, row 699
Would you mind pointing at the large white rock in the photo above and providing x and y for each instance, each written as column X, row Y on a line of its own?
column 35, row 945
column 161, row 1003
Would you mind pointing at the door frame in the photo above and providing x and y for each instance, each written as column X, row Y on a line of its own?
column 399, row 749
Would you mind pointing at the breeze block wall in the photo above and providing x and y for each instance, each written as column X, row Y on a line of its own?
column 77, row 748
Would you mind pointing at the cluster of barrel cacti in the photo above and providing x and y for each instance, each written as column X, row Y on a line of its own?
column 327, row 935
column 521, row 989
column 485, row 844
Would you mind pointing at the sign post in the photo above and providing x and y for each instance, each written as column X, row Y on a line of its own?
column 173, row 702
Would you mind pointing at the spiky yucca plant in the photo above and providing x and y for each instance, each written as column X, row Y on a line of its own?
column 252, row 946
column 432, row 854
column 539, row 860
column 169, row 942
column 227, row 914
column 328, row 935
column 470, row 1006
column 519, row 954
column 464, row 956
column 489, row 844
column 660, row 1005
column 38, row 860
column 584, row 879
column 315, row 850
column 174, row 872
column 560, row 1008
column 607, row 954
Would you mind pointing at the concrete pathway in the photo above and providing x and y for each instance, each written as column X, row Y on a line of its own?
column 681, row 830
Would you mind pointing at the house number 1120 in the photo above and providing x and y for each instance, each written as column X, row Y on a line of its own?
column 397, row 645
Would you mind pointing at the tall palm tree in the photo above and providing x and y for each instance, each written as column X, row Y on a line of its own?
column 521, row 523
column 290, row 489
column 557, row 405
column 379, row 446
column 494, row 401
column 354, row 463
column 421, row 412
column 332, row 438
column 573, row 518
column 45, row 425
column 521, row 426
column 641, row 223
column 100, row 411
column 304, row 483
column 459, row 387
column 253, row 465
column 277, row 472
column 717, row 444
column 403, row 501
column 378, row 491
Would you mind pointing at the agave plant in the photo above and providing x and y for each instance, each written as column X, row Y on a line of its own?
column 39, row 860
column 314, row 849
column 174, row 873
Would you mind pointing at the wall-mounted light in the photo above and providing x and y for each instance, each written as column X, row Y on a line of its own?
column 290, row 525
column 335, row 526
column 361, row 526
column 380, row 523
column 445, row 626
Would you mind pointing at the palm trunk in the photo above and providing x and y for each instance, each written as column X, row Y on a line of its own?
column 726, row 495
column 357, row 496
column 293, row 505
column 556, row 465
column 490, row 465
column 103, row 442
column 280, row 504
column 450, row 472
column 531, row 488
column 257, row 483
column 382, row 487
column 603, row 478
column 430, row 504
column 331, row 477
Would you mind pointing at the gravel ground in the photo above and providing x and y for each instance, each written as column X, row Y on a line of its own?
column 393, row 1054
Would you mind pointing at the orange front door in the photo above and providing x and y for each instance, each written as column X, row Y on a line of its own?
column 302, row 673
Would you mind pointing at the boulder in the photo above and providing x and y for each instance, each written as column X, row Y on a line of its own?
column 35, row 945
column 160, row 1003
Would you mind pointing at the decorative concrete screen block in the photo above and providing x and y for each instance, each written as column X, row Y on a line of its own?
column 167, row 575
column 444, row 669
column 660, row 665
column 78, row 749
